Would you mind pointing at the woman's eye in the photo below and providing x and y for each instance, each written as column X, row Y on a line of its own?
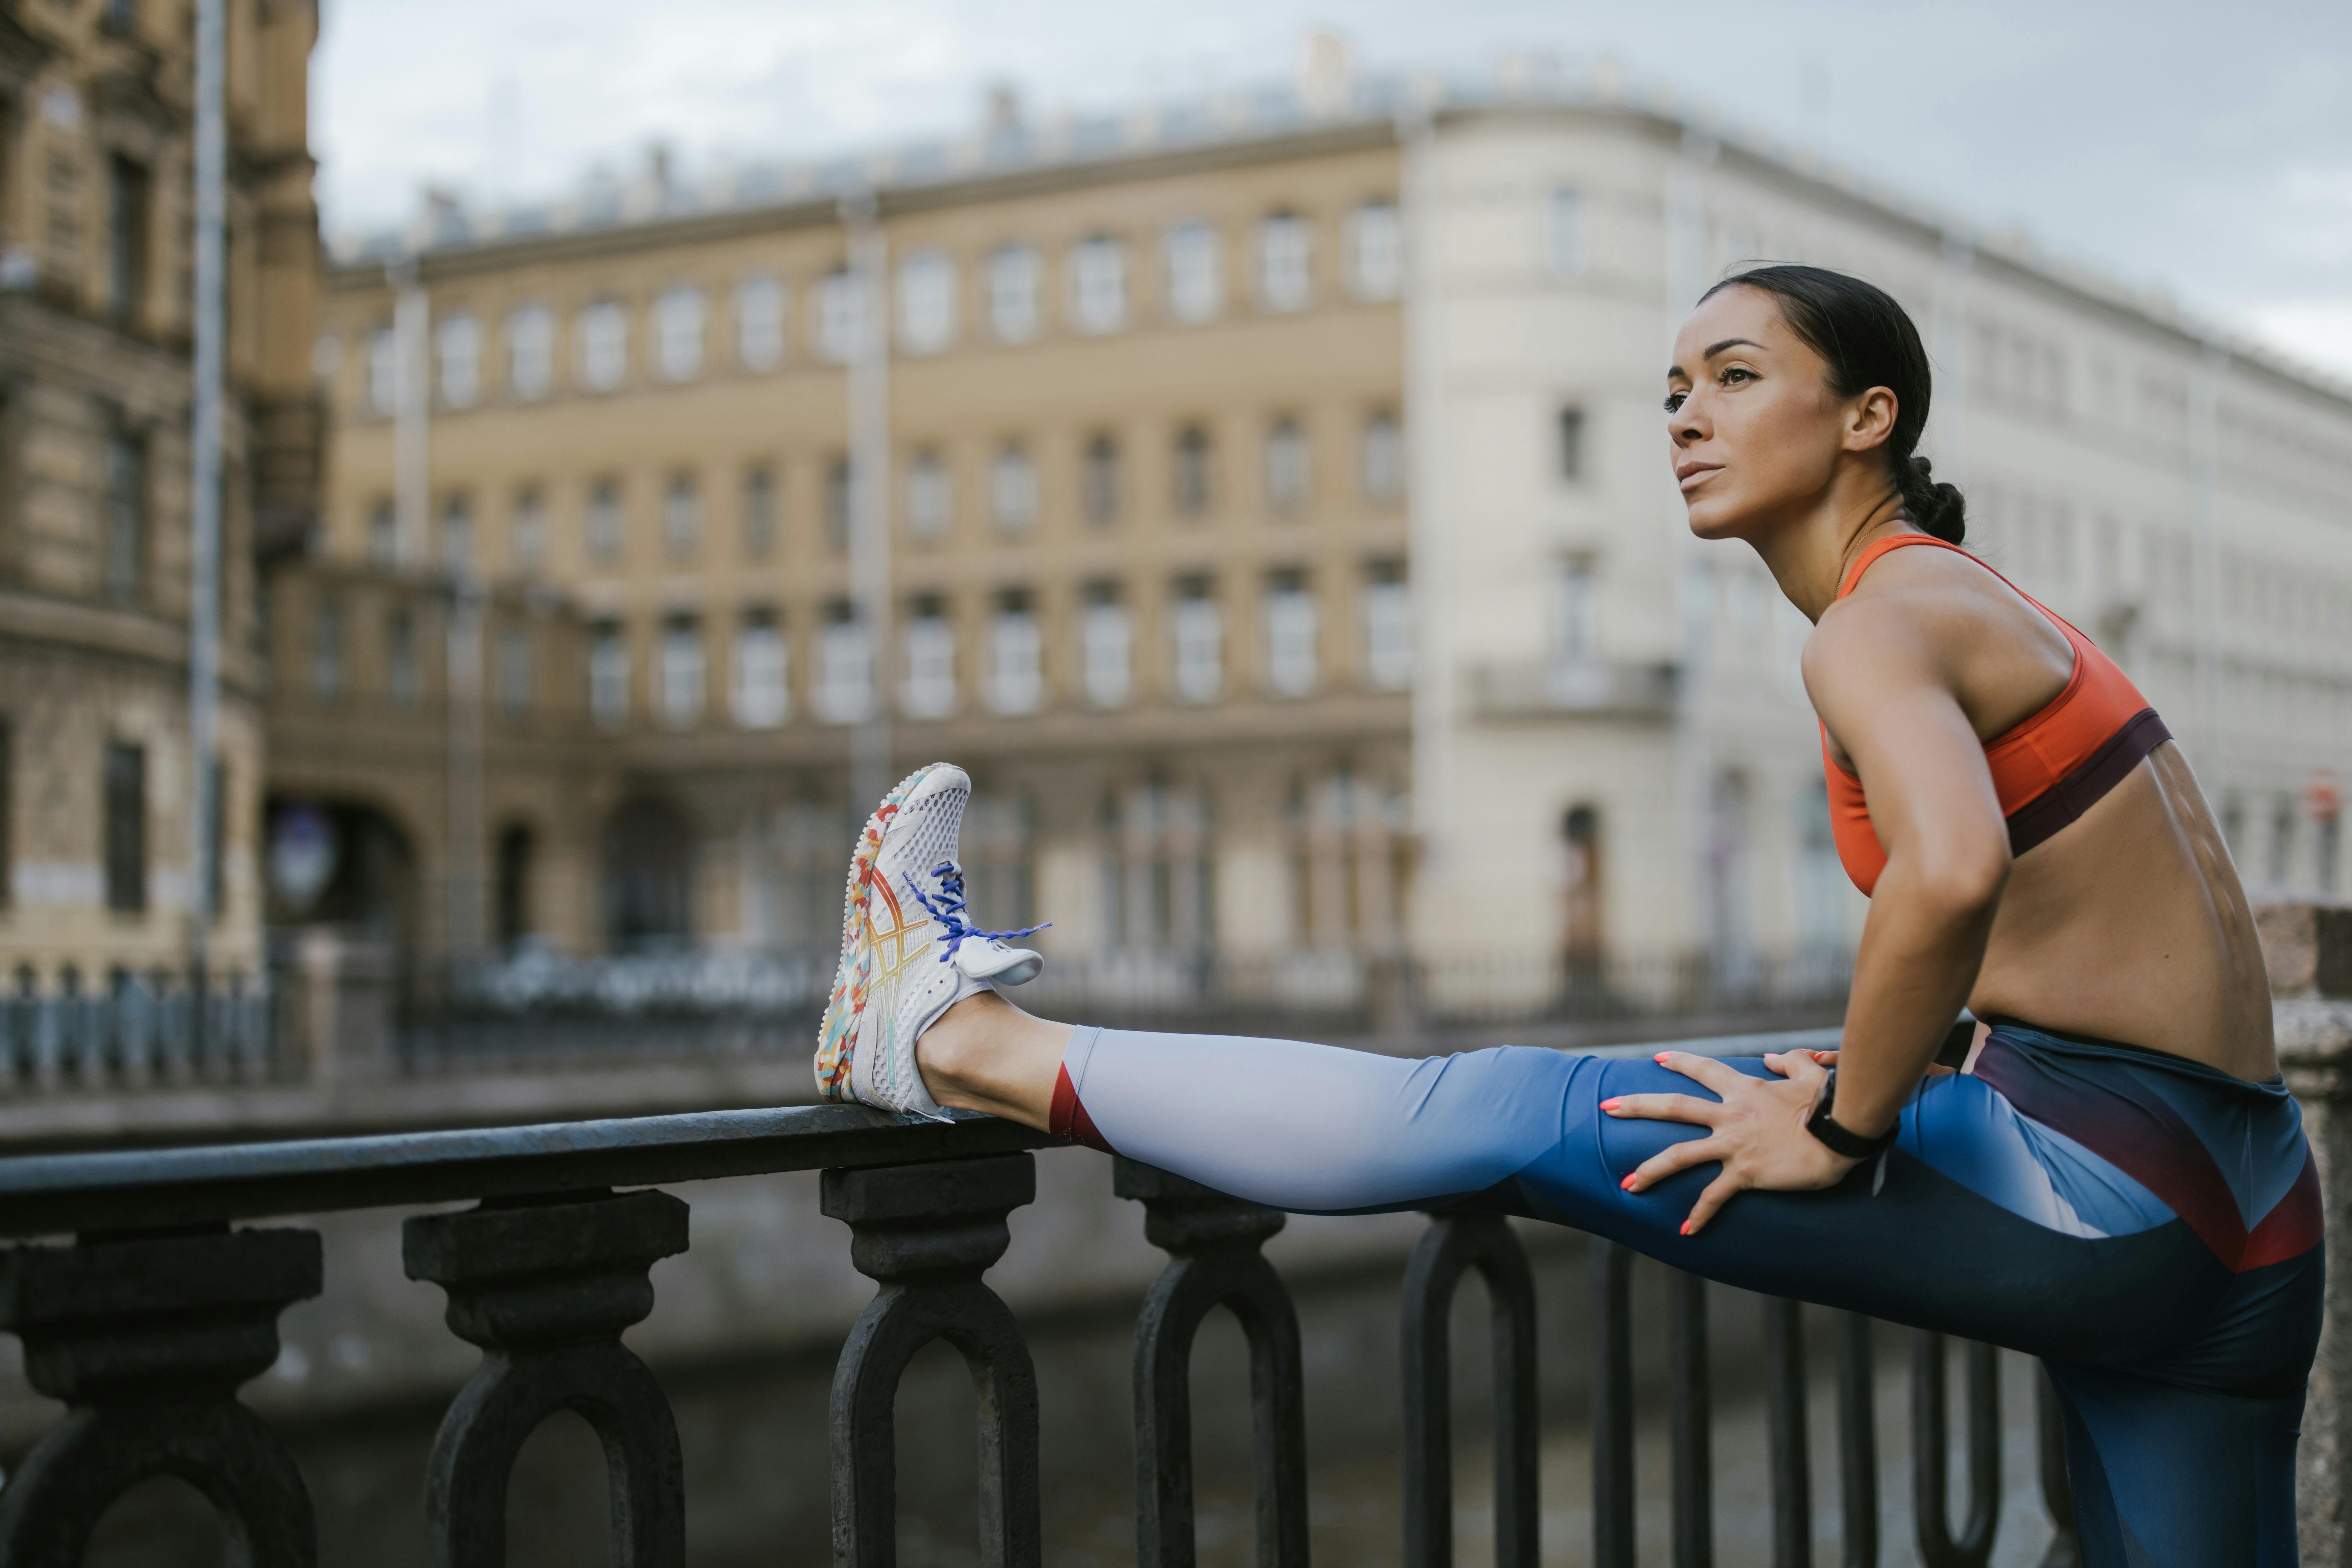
column 1674, row 401
column 1738, row 372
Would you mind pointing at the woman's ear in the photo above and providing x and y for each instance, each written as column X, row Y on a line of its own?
column 1870, row 419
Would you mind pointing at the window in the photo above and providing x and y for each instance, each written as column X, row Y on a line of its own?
column 1564, row 232
column 1289, row 634
column 759, row 512
column 1098, row 483
column 400, row 675
column 531, row 351
column 840, row 316
column 1375, row 251
column 681, row 672
column 1571, row 444
column 514, row 671
column 678, row 334
column 126, row 514
column 608, row 676
column 327, row 651
column 1199, row 630
column 927, row 302
column 1013, row 490
column 1388, row 628
column 384, row 532
column 126, row 238
column 762, row 692
column 1097, row 278
column 125, row 788
column 930, row 689
column 1382, row 473
column 1285, row 251
column 604, row 530
column 681, row 517
column 1285, row 467
column 927, row 498
column 837, row 497
column 1106, row 647
column 604, row 346
column 1196, row 285
column 457, row 535
column 1189, row 475
column 1013, row 294
column 845, row 688
column 383, row 371
column 458, row 342
column 760, row 322
column 527, row 533
column 1016, row 681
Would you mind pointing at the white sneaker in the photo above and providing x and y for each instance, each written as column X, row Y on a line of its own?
column 909, row 951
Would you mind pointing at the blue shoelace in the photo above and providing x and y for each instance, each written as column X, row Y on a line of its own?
column 952, row 912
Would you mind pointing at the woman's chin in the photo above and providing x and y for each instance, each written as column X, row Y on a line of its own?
column 1712, row 521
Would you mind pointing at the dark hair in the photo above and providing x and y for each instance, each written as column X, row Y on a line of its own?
column 1868, row 341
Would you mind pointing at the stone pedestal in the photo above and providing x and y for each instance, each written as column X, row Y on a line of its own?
column 340, row 1003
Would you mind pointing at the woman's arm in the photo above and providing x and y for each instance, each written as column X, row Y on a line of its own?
column 1889, row 698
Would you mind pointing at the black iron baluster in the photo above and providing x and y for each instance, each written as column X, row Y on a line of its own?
column 1693, row 1448
column 1792, row 1478
column 1931, row 1448
column 2057, row 1491
column 1857, row 1377
column 147, row 1341
column 926, row 1234
column 1215, row 1241
column 1613, row 1404
column 1453, row 1244
column 545, row 1288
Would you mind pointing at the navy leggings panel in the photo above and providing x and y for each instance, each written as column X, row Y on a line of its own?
column 2181, row 1373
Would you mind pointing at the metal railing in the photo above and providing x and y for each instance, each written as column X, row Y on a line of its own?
column 137, row 1033
column 148, row 1322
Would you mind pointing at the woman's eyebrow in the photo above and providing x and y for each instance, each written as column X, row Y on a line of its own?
column 1715, row 348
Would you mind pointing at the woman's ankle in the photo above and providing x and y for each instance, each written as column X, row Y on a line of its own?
column 985, row 1054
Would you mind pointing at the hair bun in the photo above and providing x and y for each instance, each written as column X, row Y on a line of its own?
column 1940, row 509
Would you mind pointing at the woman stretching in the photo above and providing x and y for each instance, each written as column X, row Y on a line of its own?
column 2117, row 1180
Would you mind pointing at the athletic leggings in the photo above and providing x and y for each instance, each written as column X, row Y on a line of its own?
column 2148, row 1227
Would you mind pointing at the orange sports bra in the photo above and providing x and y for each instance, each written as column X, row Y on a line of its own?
column 2047, row 771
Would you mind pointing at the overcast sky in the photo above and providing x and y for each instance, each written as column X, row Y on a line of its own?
column 2203, row 148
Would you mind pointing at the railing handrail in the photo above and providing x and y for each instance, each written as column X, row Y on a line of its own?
column 147, row 1189
column 140, row 1190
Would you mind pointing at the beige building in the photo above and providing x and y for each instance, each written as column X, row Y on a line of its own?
column 96, row 775
column 1151, row 392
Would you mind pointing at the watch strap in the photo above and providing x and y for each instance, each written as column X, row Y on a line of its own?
column 1841, row 1140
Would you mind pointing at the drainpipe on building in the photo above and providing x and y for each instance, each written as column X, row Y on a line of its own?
column 411, row 459
column 1427, row 577
column 205, row 502
column 869, row 495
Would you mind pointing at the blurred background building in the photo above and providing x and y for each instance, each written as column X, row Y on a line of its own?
column 1261, row 495
column 98, row 890
column 1292, row 606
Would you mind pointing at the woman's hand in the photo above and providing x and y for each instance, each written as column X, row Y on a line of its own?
column 1757, row 1130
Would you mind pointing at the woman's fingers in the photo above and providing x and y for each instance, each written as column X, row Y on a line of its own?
column 1665, row 1108
column 1718, row 1193
column 1706, row 1069
column 1671, row 1161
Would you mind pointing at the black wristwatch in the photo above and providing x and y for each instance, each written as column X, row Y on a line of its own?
column 1843, row 1140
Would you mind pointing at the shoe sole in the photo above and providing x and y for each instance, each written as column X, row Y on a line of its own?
column 836, row 1052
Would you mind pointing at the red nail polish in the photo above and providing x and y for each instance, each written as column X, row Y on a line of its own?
column 1659, row 1058
column 1685, row 1227
column 1627, row 1184
column 1611, row 1104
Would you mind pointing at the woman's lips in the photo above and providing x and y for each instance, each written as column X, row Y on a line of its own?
column 1690, row 478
